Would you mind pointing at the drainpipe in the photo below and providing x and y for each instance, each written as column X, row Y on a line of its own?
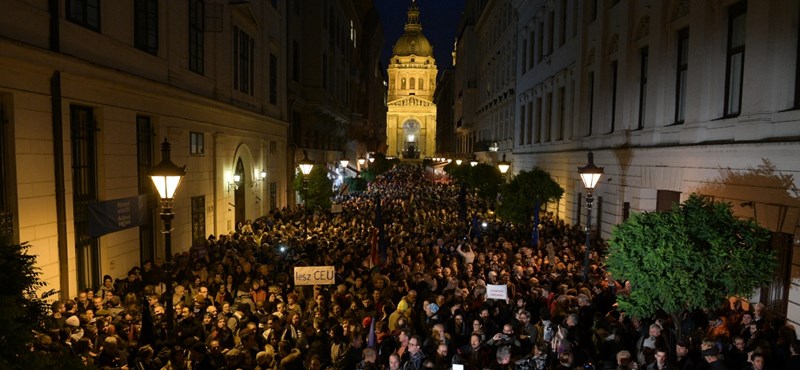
column 61, row 207
column 55, row 28
column 214, row 176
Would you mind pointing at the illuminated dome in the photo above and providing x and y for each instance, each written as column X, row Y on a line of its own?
column 413, row 41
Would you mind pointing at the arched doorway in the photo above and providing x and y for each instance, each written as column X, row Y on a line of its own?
column 238, row 194
column 411, row 137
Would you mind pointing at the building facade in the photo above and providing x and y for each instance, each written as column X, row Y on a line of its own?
column 664, row 95
column 336, row 88
column 672, row 97
column 89, row 91
column 496, row 33
column 411, row 116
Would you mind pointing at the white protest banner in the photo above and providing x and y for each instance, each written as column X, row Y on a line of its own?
column 314, row 275
column 494, row 291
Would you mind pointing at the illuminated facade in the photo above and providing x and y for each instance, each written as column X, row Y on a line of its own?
column 88, row 94
column 411, row 116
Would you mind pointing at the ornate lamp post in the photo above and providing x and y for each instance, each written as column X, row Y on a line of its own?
column 306, row 165
column 166, row 176
column 590, row 174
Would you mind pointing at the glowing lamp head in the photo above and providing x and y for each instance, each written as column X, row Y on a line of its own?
column 590, row 174
column 166, row 176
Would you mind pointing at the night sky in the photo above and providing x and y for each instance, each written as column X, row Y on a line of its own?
column 439, row 20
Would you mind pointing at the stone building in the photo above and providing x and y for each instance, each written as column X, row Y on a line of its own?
column 88, row 91
column 411, row 116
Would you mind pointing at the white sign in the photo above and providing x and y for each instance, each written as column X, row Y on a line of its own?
column 314, row 275
column 494, row 291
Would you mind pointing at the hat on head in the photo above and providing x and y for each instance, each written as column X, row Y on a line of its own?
column 73, row 321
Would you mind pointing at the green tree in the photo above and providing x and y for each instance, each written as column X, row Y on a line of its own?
column 695, row 256
column 23, row 310
column 320, row 188
column 523, row 196
column 356, row 183
column 485, row 179
column 459, row 173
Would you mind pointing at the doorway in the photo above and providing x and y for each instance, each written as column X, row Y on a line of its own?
column 238, row 194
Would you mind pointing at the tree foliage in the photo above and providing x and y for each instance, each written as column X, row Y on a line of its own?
column 522, row 195
column 484, row 179
column 22, row 310
column 693, row 257
column 320, row 188
column 356, row 183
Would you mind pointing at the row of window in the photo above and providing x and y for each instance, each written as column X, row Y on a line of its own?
column 413, row 83
column 734, row 73
column 546, row 31
column 543, row 119
column 146, row 35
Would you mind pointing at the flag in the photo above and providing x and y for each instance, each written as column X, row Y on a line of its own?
column 535, row 233
column 372, row 339
column 373, row 249
column 379, row 225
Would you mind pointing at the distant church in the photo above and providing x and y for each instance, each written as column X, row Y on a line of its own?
column 411, row 119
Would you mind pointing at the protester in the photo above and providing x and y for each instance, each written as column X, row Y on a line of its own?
column 410, row 291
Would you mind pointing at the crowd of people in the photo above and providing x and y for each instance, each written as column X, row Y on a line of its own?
column 410, row 292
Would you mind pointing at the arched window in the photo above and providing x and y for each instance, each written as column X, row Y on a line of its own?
column 411, row 84
column 421, row 84
column 403, row 83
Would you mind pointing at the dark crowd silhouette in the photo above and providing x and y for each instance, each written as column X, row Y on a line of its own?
column 410, row 292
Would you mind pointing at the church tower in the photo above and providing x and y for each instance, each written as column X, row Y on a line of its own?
column 411, row 117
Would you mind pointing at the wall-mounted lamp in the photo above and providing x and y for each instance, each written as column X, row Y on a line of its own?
column 234, row 185
column 260, row 177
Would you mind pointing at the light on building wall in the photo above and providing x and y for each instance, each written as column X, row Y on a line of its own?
column 234, row 185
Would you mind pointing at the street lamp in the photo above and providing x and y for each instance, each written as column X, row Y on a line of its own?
column 166, row 177
column 503, row 166
column 473, row 162
column 590, row 175
column 344, row 162
column 458, row 162
column 306, row 165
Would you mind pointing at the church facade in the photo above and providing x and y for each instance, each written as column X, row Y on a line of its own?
column 411, row 116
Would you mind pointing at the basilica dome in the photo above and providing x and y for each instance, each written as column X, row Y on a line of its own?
column 413, row 42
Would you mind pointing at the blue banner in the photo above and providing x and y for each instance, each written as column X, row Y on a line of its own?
column 118, row 214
